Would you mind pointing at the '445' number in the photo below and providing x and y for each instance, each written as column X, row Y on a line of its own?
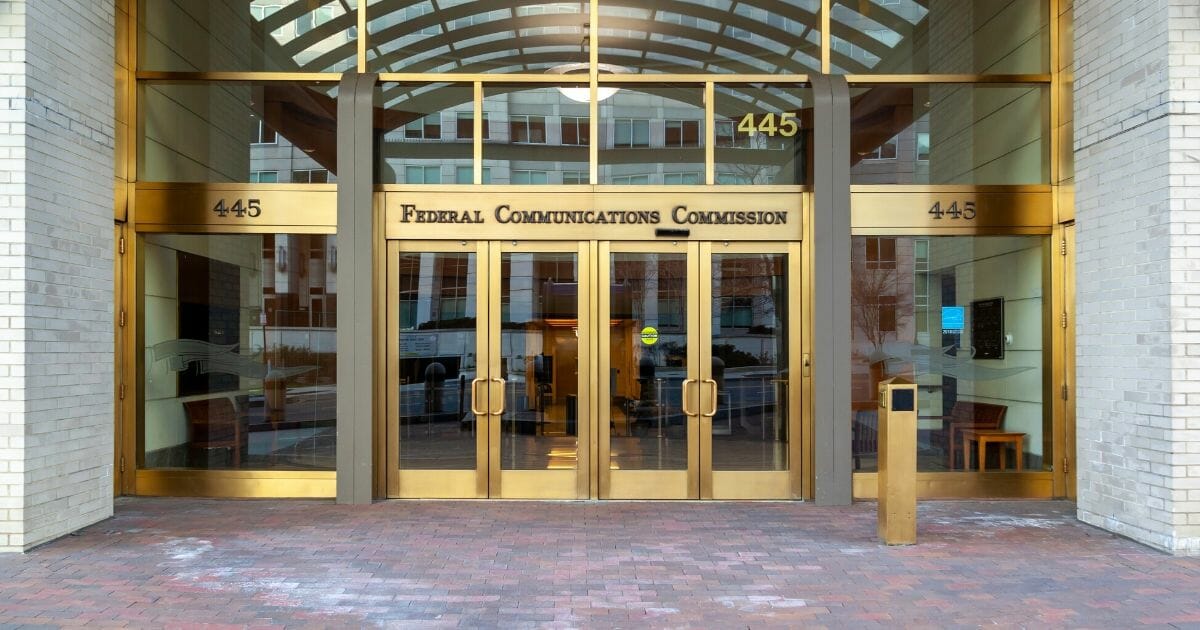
column 966, row 213
column 251, row 208
column 766, row 124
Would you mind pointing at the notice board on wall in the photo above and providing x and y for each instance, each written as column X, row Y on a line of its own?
column 987, row 328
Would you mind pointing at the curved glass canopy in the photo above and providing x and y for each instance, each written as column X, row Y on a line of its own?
column 774, row 37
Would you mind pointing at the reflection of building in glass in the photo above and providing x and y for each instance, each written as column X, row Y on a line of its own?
column 274, row 158
column 899, row 286
column 240, row 351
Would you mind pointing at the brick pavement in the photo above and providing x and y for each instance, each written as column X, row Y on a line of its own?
column 191, row 562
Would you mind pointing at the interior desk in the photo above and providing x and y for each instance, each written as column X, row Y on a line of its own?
column 984, row 437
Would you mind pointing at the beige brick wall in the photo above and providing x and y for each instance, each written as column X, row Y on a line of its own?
column 1137, row 153
column 56, row 300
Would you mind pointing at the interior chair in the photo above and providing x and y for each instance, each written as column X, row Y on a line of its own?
column 214, row 423
column 864, row 434
column 969, row 414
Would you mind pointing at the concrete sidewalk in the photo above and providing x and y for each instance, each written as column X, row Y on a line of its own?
column 183, row 562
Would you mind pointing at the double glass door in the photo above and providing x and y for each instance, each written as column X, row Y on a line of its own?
column 698, row 398
column 487, row 369
column 593, row 369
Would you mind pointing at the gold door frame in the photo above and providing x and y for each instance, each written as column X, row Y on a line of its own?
column 541, row 484
column 774, row 484
column 879, row 210
column 186, row 209
column 648, row 484
column 488, row 479
column 699, row 480
column 436, row 483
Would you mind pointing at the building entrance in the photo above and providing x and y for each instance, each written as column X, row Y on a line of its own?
column 488, row 369
column 514, row 365
column 696, row 390
column 593, row 369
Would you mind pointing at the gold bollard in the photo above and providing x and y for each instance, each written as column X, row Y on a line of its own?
column 898, row 461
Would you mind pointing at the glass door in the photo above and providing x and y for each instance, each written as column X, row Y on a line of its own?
column 488, row 389
column 538, row 378
column 749, row 390
column 700, row 398
column 649, row 439
column 437, row 369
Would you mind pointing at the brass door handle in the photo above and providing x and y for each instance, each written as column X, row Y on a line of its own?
column 714, row 398
column 474, row 389
column 683, row 400
column 502, row 383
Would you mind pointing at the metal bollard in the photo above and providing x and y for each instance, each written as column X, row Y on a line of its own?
column 897, row 461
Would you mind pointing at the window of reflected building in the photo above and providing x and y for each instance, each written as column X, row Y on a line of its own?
column 649, row 135
column 537, row 135
column 240, row 355
column 963, row 317
column 425, row 133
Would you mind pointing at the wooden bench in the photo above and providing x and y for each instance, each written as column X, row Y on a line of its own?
column 969, row 415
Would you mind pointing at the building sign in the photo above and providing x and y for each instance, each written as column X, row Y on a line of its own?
column 679, row 215
column 687, row 215
column 951, row 207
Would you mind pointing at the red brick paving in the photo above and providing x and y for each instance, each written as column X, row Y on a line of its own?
column 271, row 564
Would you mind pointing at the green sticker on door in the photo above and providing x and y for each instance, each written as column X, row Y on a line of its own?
column 649, row 335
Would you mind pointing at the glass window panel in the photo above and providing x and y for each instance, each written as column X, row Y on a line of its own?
column 214, row 132
column 648, row 427
column 539, row 361
column 421, row 128
column 473, row 36
column 240, row 347
column 968, row 329
column 950, row 134
column 247, row 36
column 466, row 126
column 716, row 36
column 683, row 178
column 437, row 360
column 576, row 130
column 535, row 135
column 311, row 176
column 959, row 37
column 763, row 134
column 750, row 361
column 422, row 175
column 646, row 132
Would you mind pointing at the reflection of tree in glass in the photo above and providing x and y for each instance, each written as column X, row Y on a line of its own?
column 867, row 309
column 733, row 357
column 749, row 279
column 754, row 170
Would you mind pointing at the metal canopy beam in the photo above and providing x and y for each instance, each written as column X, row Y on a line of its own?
column 356, row 295
column 831, row 291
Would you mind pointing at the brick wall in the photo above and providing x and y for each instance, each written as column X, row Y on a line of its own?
column 12, row 263
column 56, row 278
column 1137, row 142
